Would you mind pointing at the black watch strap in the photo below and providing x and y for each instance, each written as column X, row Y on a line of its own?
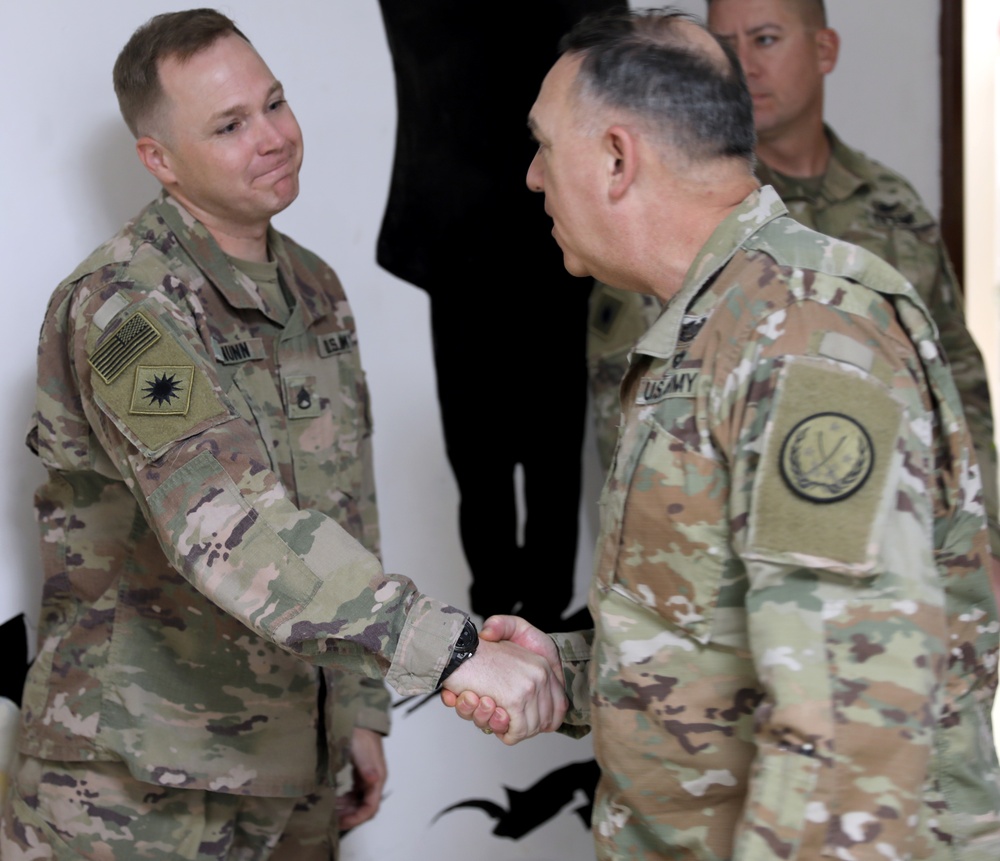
column 465, row 648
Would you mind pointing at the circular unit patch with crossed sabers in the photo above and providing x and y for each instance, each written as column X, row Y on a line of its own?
column 826, row 457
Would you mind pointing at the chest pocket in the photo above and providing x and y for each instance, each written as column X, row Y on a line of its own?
column 252, row 390
column 671, row 552
column 328, row 422
column 311, row 409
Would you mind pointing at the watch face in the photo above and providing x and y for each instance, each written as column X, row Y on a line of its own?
column 468, row 639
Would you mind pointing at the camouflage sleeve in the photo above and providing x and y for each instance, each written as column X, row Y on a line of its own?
column 845, row 607
column 911, row 241
column 969, row 373
column 202, row 478
column 368, row 509
column 574, row 652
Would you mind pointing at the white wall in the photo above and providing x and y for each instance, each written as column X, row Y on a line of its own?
column 69, row 179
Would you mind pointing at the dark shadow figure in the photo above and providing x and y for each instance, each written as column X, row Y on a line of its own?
column 14, row 648
column 528, row 808
column 508, row 322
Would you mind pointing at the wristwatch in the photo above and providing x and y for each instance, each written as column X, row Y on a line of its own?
column 465, row 648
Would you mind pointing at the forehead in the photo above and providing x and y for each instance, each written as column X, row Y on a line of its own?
column 217, row 73
column 726, row 17
column 555, row 97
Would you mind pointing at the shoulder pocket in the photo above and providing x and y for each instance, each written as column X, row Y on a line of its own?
column 151, row 385
column 823, row 487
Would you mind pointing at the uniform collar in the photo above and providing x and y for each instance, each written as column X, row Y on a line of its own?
column 234, row 286
column 758, row 208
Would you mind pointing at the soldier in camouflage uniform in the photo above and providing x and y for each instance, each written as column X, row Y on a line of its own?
column 786, row 49
column 215, row 622
column 795, row 644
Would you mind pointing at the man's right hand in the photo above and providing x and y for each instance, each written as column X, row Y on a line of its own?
column 520, row 718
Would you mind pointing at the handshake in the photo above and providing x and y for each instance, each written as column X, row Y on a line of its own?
column 513, row 686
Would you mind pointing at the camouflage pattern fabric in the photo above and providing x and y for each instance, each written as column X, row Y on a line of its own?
column 55, row 803
column 795, row 643
column 857, row 200
column 208, row 527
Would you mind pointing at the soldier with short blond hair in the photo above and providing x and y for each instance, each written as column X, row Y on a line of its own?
column 215, row 623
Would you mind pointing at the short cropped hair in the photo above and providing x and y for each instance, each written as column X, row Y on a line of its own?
column 813, row 12
column 173, row 34
column 638, row 61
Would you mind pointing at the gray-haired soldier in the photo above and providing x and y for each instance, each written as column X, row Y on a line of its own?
column 786, row 49
column 215, row 621
column 794, row 652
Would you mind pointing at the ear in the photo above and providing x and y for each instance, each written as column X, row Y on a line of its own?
column 827, row 49
column 156, row 159
column 622, row 151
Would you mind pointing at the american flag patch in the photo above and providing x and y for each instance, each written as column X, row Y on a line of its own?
column 130, row 340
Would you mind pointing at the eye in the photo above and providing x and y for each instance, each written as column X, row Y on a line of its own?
column 276, row 104
column 765, row 40
column 229, row 128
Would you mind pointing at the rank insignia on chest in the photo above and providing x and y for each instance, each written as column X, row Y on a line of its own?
column 129, row 341
column 161, row 390
column 826, row 457
column 690, row 327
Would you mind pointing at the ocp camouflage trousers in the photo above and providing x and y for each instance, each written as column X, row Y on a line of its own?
column 97, row 810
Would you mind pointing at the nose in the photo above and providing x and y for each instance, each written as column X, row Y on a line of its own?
column 534, row 176
column 270, row 137
column 745, row 56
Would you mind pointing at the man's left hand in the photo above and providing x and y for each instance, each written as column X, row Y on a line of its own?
column 370, row 772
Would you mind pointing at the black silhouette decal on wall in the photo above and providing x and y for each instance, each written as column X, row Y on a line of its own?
column 508, row 322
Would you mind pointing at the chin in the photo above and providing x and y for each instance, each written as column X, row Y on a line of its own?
column 575, row 267
column 282, row 200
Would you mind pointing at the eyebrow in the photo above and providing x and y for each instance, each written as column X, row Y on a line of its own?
column 753, row 31
column 533, row 127
column 242, row 110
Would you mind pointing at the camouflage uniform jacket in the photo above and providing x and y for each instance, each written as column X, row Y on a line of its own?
column 795, row 642
column 860, row 201
column 209, row 482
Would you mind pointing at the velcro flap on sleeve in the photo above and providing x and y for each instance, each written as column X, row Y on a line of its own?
column 825, row 477
column 155, row 390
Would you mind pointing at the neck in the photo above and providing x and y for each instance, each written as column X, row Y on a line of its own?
column 252, row 248
column 804, row 153
column 682, row 227
column 246, row 241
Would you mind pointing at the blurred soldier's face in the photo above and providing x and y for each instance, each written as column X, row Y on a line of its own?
column 783, row 58
column 231, row 145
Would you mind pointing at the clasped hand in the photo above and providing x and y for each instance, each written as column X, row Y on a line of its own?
column 513, row 685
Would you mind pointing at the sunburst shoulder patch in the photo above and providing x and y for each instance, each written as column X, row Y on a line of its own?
column 162, row 390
